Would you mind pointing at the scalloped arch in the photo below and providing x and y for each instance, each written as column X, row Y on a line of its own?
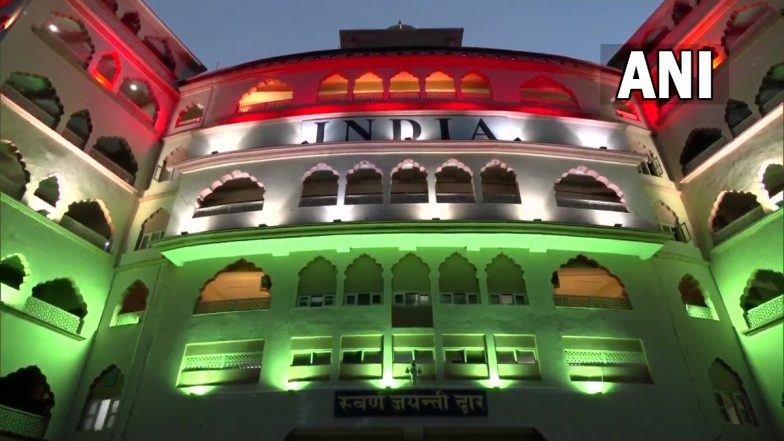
column 408, row 164
column 320, row 167
column 236, row 174
column 583, row 170
column 452, row 162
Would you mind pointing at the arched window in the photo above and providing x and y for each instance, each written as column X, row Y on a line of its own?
column 132, row 21
column 457, row 282
column 404, row 85
column 27, row 390
column 364, row 282
column 363, row 185
column 240, row 286
column 107, row 70
column 439, row 85
column 454, row 183
column 320, row 187
column 68, row 35
column 669, row 222
column 237, row 192
column 730, row 396
column 700, row 145
column 134, row 302
column 583, row 188
column 103, row 401
column 153, row 228
column 505, row 283
column 738, row 116
column 411, row 293
column 78, row 128
column 545, row 90
column 763, row 300
column 368, row 86
column 582, row 282
column 141, row 96
column 12, row 272
column 693, row 298
column 115, row 154
column 58, row 303
column 741, row 21
column 318, row 282
column 91, row 221
column 499, row 184
column 166, row 170
column 475, row 86
column 771, row 91
column 679, row 11
column 36, row 95
column 268, row 93
column 409, row 183
column 14, row 176
column 334, row 87
column 160, row 47
column 191, row 114
column 48, row 190
column 773, row 180
column 733, row 212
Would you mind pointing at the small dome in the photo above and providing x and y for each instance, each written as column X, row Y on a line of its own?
column 400, row 26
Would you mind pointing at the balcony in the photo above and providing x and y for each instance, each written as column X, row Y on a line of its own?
column 702, row 312
column 112, row 166
column 85, row 233
column 22, row 423
column 251, row 304
column 53, row 315
column 609, row 366
column 765, row 313
column 127, row 318
column 592, row 302
column 738, row 225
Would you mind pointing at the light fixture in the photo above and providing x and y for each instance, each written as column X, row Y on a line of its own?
column 53, row 27
column 134, row 87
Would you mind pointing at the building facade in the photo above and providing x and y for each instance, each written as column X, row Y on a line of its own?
column 404, row 238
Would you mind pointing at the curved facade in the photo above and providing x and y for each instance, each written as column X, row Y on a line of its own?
column 403, row 238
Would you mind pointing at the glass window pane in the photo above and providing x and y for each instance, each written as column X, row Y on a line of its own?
column 352, row 357
column 110, row 421
column 403, row 356
column 454, row 356
column 424, row 299
column 505, row 357
column 494, row 299
column 423, row 356
column 102, row 412
column 475, row 356
column 321, row 358
column 376, row 299
column 446, row 298
column 115, row 406
column 302, row 301
column 329, row 300
column 301, row 359
column 351, row 299
column 372, row 357
column 411, row 298
column 460, row 298
column 399, row 299
column 473, row 299
column 316, row 301
column 520, row 300
column 363, row 299
column 526, row 357
column 507, row 299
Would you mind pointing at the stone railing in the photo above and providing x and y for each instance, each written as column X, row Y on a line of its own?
column 738, row 225
column 22, row 423
column 232, row 305
column 127, row 318
column 699, row 312
column 112, row 166
column 53, row 315
column 592, row 302
column 704, row 155
column 583, row 357
column 85, row 233
column 240, row 207
column 765, row 313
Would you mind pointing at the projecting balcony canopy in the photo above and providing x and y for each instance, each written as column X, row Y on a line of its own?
column 534, row 236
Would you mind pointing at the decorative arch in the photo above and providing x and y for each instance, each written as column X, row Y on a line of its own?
column 731, row 399
column 474, row 85
column 762, row 301
column 48, row 190
column 63, row 295
column 167, row 167
column 693, row 298
column 134, row 298
column 364, row 283
column 26, row 389
column 161, row 48
column 582, row 187
column 78, row 128
column 70, row 35
column 153, row 228
column 318, row 282
column 505, row 282
column 368, row 86
column 140, row 94
column 190, row 115
column 729, row 207
column 771, row 179
column 499, row 183
column 771, row 90
column 14, row 176
column 334, row 86
column 741, row 20
column 439, row 85
column 668, row 221
column 582, row 282
column 456, row 275
column 107, row 70
column 267, row 93
column 409, row 183
column 239, row 286
column 13, row 271
column 454, row 183
column 132, row 21
column 410, row 274
column 738, row 116
column 103, row 400
column 319, row 186
column 36, row 95
column 90, row 220
column 545, row 90
column 404, row 84
column 364, row 184
column 700, row 145
column 236, row 192
column 117, row 156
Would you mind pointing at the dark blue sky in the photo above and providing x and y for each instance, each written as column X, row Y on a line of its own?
column 235, row 31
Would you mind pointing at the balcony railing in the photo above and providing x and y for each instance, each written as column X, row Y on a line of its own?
column 738, row 225
column 455, row 198
column 241, row 207
column 53, row 315
column 10, row 187
column 408, row 198
column 22, row 423
column 360, row 371
column 699, row 312
column 29, row 105
column 232, row 305
column 704, row 155
column 318, row 201
column 765, row 313
column 113, row 167
column 364, row 199
column 590, row 204
column 592, row 302
column 501, row 198
column 85, row 233
column 127, row 318
column 272, row 105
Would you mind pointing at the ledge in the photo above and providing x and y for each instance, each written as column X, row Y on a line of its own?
column 749, row 231
column 473, row 235
column 23, row 315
